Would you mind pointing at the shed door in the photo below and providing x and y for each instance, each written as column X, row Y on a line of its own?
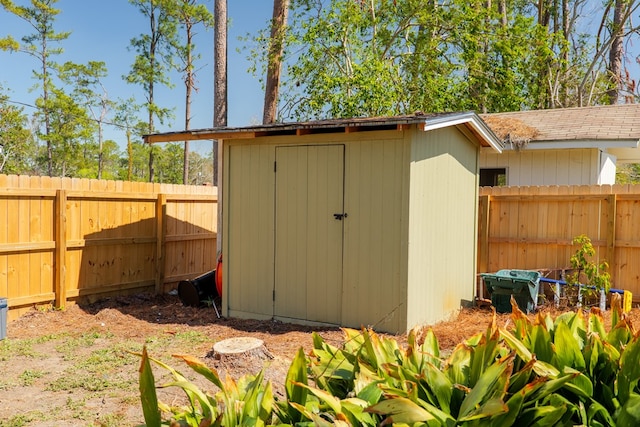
column 308, row 236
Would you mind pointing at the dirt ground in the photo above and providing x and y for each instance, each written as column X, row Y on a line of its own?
column 52, row 361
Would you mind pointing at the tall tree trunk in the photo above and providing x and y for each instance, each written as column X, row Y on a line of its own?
column 545, row 99
column 129, row 155
column 219, row 76
column 189, row 82
column 45, row 101
column 152, row 64
column 502, row 11
column 278, row 28
column 219, row 102
column 565, row 73
column 479, row 89
column 100, row 153
column 544, row 16
column 615, row 53
column 220, row 64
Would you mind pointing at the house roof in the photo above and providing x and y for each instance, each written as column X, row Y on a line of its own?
column 609, row 126
column 469, row 120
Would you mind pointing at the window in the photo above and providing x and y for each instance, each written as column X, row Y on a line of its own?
column 493, row 177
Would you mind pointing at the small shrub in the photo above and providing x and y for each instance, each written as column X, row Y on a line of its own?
column 593, row 278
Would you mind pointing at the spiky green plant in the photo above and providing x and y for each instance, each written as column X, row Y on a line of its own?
column 541, row 371
column 566, row 371
column 248, row 402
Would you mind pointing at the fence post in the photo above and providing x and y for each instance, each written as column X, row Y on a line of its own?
column 611, row 232
column 161, row 210
column 483, row 233
column 483, row 242
column 60, row 272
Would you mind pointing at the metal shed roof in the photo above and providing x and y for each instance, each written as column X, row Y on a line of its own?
column 470, row 120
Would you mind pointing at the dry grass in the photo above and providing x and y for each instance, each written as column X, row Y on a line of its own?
column 511, row 131
column 473, row 320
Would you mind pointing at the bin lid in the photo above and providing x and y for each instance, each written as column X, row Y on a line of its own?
column 520, row 274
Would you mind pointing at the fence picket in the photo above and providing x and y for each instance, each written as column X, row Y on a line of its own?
column 548, row 218
column 63, row 239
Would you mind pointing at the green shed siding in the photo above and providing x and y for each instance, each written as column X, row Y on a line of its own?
column 308, row 242
column 249, row 219
column 442, row 224
column 405, row 253
column 376, row 194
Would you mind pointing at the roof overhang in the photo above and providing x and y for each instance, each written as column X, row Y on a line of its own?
column 426, row 122
column 474, row 123
column 625, row 154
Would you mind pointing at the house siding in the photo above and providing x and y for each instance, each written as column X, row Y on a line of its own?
column 546, row 167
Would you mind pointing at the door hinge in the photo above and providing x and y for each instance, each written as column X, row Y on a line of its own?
column 274, row 295
column 275, row 166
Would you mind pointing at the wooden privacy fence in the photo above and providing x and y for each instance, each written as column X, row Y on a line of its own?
column 533, row 228
column 63, row 239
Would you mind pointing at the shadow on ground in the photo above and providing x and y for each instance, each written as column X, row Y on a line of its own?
column 168, row 309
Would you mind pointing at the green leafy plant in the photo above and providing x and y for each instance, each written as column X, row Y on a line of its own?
column 542, row 371
column 592, row 277
column 247, row 402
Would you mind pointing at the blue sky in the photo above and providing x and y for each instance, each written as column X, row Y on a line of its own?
column 101, row 30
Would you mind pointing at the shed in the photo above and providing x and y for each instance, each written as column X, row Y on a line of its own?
column 352, row 222
column 562, row 146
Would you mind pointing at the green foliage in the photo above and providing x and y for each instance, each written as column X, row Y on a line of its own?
column 41, row 16
column 169, row 162
column 68, row 126
column 154, row 55
column 349, row 59
column 594, row 276
column 28, row 377
column 628, row 173
column 18, row 147
column 563, row 371
column 64, row 137
column 247, row 402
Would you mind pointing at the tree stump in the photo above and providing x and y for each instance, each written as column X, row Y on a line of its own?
column 240, row 355
column 238, row 345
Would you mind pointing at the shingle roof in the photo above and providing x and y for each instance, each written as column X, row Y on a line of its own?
column 610, row 122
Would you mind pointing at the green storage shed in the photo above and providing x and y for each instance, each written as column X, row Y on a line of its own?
column 365, row 222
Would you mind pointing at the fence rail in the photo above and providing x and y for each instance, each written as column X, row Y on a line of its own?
column 533, row 228
column 66, row 239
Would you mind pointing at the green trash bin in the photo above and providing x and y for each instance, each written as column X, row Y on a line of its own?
column 523, row 285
